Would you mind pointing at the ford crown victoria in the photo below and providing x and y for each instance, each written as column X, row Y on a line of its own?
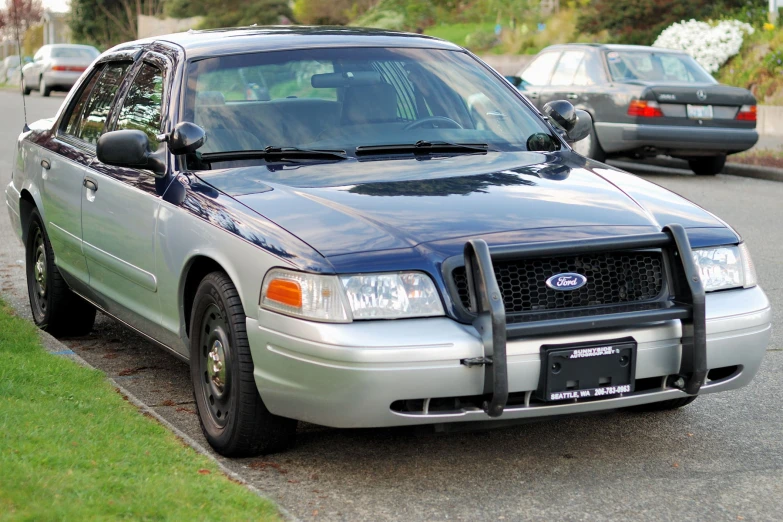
column 359, row 228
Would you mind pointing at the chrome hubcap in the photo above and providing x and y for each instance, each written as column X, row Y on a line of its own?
column 215, row 365
column 38, row 277
column 216, row 369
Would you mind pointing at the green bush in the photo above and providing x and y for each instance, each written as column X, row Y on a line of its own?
column 641, row 21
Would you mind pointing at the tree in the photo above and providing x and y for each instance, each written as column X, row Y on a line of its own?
column 20, row 15
column 231, row 13
column 105, row 23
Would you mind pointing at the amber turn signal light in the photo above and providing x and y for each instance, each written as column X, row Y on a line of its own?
column 285, row 291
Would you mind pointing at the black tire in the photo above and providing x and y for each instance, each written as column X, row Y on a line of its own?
column 27, row 90
column 672, row 404
column 234, row 419
column 55, row 308
column 44, row 89
column 707, row 166
column 590, row 147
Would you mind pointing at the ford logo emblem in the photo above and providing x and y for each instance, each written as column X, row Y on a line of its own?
column 565, row 282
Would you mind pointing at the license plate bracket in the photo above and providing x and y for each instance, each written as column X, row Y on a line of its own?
column 699, row 112
column 587, row 370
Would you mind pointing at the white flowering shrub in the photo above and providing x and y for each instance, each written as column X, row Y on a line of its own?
column 710, row 45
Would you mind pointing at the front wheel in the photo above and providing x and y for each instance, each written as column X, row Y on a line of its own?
column 27, row 90
column 707, row 166
column 55, row 308
column 234, row 419
column 589, row 147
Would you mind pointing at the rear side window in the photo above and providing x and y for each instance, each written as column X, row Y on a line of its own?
column 77, row 109
column 540, row 70
column 93, row 122
column 142, row 107
column 566, row 67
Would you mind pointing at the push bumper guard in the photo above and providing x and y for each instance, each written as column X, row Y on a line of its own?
column 685, row 285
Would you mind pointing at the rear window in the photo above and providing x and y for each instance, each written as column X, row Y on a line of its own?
column 74, row 52
column 655, row 67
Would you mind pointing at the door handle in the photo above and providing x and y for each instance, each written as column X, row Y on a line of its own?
column 90, row 184
column 572, row 96
column 45, row 164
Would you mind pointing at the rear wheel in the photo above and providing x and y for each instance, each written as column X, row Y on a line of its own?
column 672, row 404
column 27, row 90
column 55, row 308
column 707, row 166
column 234, row 419
column 44, row 89
column 589, row 147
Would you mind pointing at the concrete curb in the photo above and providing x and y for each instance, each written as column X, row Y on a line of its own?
column 55, row 347
column 732, row 169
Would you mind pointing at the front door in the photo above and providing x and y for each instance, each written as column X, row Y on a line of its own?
column 119, row 214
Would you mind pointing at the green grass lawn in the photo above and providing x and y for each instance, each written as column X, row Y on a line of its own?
column 72, row 449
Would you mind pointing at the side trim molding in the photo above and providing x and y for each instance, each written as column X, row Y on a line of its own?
column 130, row 272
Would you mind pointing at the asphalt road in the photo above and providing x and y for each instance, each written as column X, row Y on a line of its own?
column 718, row 459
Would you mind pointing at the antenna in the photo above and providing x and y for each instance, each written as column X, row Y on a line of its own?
column 26, row 128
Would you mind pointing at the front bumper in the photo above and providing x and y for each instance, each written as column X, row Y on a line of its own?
column 348, row 375
column 618, row 137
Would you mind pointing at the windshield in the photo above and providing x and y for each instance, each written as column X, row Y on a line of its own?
column 656, row 67
column 88, row 53
column 343, row 98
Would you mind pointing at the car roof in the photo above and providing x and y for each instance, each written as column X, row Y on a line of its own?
column 217, row 42
column 613, row 47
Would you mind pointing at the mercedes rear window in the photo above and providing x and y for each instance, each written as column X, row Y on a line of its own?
column 651, row 66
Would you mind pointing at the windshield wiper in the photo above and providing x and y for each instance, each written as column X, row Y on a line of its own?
column 275, row 154
column 423, row 147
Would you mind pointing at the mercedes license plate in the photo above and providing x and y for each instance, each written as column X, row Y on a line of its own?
column 699, row 112
column 586, row 370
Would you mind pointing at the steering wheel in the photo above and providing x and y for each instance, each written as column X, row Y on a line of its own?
column 433, row 122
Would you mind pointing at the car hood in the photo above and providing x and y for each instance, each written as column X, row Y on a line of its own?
column 402, row 203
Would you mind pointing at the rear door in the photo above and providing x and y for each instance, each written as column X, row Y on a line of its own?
column 562, row 81
column 120, row 205
column 535, row 78
column 63, row 167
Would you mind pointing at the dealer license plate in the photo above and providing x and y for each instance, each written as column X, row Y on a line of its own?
column 580, row 371
column 699, row 112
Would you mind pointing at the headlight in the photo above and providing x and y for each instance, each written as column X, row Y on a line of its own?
column 392, row 296
column 725, row 267
column 341, row 299
column 309, row 296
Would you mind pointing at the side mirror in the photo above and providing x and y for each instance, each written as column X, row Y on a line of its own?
column 562, row 113
column 186, row 137
column 516, row 81
column 584, row 124
column 130, row 148
column 576, row 123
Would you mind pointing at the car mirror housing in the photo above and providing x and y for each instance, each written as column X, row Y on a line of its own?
column 575, row 123
column 130, row 148
column 584, row 123
column 186, row 138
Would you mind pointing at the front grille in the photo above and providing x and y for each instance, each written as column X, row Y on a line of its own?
column 612, row 278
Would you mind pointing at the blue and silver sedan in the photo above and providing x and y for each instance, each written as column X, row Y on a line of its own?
column 358, row 228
